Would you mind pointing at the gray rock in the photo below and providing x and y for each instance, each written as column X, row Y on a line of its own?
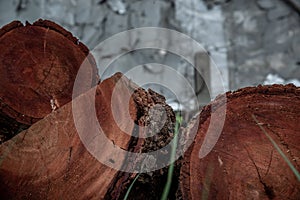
column 292, row 69
column 60, row 14
column 114, row 24
column 238, row 17
column 26, row 11
column 83, row 4
column 7, row 12
column 266, row 4
column 276, row 37
column 91, row 36
column 82, row 11
column 279, row 12
column 250, row 24
column 88, row 32
column 196, row 5
column 283, row 65
column 82, row 17
column 273, row 79
column 69, row 18
column 145, row 13
column 117, row 6
column 276, row 61
column 205, row 26
column 296, row 46
column 75, row 30
column 252, row 72
column 31, row 12
column 97, row 14
column 54, row 12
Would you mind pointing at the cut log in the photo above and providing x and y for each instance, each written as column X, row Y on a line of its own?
column 38, row 66
column 50, row 159
column 246, row 162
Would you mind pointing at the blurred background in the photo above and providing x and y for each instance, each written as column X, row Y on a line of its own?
column 251, row 41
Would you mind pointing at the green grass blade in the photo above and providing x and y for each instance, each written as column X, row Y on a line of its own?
column 172, row 159
column 130, row 187
column 294, row 170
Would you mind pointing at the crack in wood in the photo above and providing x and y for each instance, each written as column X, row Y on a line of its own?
column 46, row 76
column 45, row 40
column 269, row 165
column 268, row 189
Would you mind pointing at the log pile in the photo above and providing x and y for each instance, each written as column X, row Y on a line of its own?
column 48, row 139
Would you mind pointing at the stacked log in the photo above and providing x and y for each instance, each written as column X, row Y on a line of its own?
column 246, row 146
column 38, row 66
column 50, row 161
column 257, row 154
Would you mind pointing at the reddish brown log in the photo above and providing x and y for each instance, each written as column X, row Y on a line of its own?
column 244, row 164
column 38, row 66
column 49, row 161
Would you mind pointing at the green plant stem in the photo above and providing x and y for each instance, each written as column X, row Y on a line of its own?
column 130, row 187
column 172, row 159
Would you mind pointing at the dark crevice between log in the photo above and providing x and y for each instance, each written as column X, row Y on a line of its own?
column 148, row 185
column 268, row 190
column 10, row 127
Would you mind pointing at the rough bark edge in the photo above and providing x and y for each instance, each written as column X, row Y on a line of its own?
column 275, row 89
column 45, row 24
column 57, row 28
column 122, row 181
